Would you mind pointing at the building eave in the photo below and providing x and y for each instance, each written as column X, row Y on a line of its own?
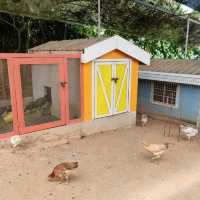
column 116, row 42
column 170, row 77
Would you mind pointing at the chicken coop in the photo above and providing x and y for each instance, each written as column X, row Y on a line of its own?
column 170, row 88
column 89, row 82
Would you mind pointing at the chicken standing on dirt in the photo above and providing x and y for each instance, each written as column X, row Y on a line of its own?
column 156, row 149
column 15, row 140
column 188, row 131
column 62, row 172
column 144, row 119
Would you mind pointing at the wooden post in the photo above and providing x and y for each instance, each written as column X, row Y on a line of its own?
column 187, row 35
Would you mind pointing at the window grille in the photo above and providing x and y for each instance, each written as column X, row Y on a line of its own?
column 164, row 92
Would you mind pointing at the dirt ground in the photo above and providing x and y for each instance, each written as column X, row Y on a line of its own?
column 113, row 166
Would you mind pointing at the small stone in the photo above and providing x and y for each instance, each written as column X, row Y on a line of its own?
column 67, row 142
column 82, row 136
column 109, row 167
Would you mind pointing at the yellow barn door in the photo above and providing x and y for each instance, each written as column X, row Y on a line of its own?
column 121, row 88
column 111, row 88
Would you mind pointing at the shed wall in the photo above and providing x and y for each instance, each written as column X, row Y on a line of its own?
column 187, row 107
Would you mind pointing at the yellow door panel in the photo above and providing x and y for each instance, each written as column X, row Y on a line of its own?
column 111, row 96
column 122, row 105
column 106, row 74
column 101, row 106
column 120, row 69
column 104, row 89
column 121, row 102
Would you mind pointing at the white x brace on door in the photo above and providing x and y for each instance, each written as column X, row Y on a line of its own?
column 111, row 88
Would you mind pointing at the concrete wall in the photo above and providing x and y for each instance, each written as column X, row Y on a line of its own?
column 187, row 107
column 47, row 76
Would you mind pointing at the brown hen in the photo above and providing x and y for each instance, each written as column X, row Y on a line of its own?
column 62, row 171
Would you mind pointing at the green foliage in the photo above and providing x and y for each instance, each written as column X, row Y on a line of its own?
column 161, row 48
column 161, row 34
column 166, row 49
column 125, row 16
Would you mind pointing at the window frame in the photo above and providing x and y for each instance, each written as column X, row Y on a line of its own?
column 162, row 103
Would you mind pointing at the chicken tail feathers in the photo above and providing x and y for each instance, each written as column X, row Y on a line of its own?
column 52, row 175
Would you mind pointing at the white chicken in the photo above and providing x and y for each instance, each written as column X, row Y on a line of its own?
column 188, row 131
column 144, row 119
column 156, row 149
column 15, row 140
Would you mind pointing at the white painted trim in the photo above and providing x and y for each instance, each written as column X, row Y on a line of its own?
column 113, row 62
column 130, row 86
column 94, row 99
column 95, row 96
column 113, row 87
column 170, row 77
column 121, row 87
column 116, row 42
column 93, row 90
column 104, row 90
column 127, row 97
column 178, row 96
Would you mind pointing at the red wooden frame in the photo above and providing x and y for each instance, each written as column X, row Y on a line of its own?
column 81, row 97
column 14, row 61
column 12, row 98
column 22, row 128
column 81, row 92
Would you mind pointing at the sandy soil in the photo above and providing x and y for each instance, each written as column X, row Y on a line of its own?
column 113, row 166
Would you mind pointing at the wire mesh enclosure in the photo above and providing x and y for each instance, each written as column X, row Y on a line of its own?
column 6, row 120
column 34, row 92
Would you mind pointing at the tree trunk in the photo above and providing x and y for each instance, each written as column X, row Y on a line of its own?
column 28, row 35
column 18, row 41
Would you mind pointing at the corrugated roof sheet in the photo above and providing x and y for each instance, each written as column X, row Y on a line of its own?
column 173, row 66
column 67, row 45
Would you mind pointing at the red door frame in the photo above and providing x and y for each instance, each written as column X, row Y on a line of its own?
column 18, row 88
column 68, row 91
column 14, row 61
column 12, row 98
